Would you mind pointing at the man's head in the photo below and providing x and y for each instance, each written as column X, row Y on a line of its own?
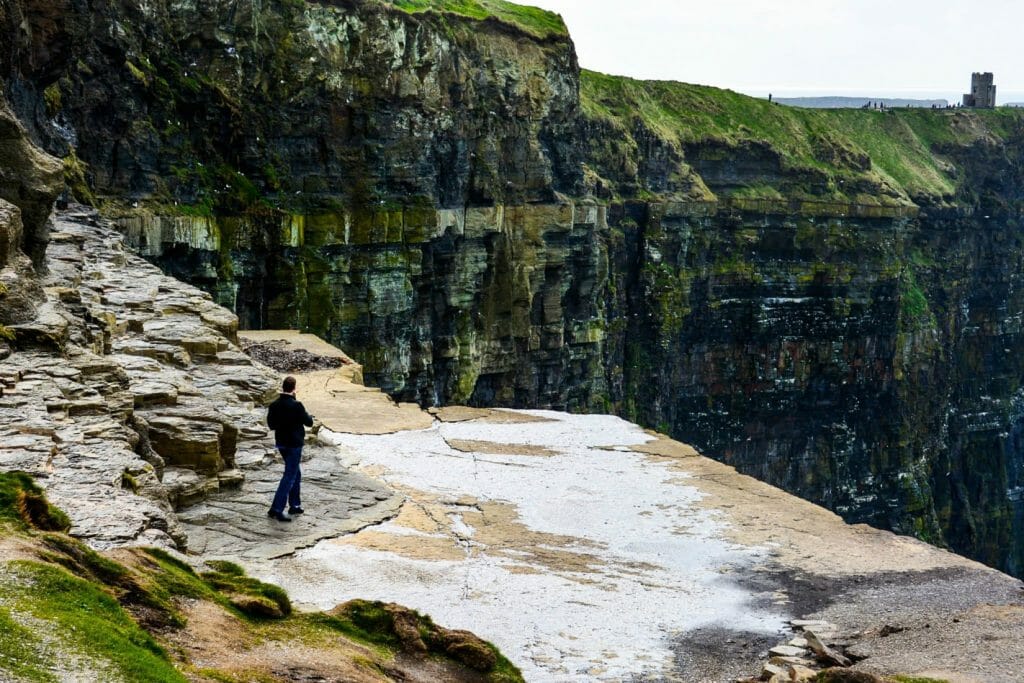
column 288, row 387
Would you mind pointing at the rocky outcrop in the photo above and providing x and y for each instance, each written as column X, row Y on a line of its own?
column 127, row 397
column 100, row 403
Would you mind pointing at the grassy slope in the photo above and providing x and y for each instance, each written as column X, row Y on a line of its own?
column 901, row 143
column 67, row 611
column 533, row 20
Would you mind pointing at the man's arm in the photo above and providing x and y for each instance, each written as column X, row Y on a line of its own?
column 272, row 417
column 307, row 419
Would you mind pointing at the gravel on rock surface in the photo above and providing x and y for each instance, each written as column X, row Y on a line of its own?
column 277, row 355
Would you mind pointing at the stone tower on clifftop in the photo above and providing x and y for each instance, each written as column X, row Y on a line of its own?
column 983, row 91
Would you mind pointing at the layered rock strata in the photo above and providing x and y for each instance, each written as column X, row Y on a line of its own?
column 828, row 300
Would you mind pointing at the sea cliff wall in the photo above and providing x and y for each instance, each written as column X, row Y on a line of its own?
column 827, row 300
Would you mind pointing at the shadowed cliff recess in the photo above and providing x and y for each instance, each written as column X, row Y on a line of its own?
column 829, row 300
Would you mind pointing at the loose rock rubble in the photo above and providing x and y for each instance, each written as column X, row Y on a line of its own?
column 804, row 656
column 125, row 384
column 276, row 354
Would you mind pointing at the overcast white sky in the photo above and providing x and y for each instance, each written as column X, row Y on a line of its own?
column 793, row 47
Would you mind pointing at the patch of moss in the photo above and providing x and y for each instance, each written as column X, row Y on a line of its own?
column 76, row 179
column 52, row 99
column 915, row 312
column 137, row 73
column 533, row 20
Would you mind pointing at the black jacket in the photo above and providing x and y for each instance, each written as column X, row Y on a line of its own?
column 286, row 416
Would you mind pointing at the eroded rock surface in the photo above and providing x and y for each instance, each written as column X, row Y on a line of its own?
column 96, row 414
column 128, row 397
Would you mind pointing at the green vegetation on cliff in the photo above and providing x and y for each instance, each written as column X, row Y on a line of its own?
column 864, row 156
column 533, row 20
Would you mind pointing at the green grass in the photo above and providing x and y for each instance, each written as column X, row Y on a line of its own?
column 20, row 652
column 132, row 589
column 376, row 623
column 535, row 21
column 895, row 148
column 248, row 595
column 84, row 619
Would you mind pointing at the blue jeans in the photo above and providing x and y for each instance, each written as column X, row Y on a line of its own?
column 288, row 489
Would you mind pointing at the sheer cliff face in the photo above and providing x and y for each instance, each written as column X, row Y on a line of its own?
column 829, row 302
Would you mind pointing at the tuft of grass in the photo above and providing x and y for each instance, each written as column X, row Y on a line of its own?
column 23, row 504
column 364, row 621
column 533, row 20
column 394, row 628
column 176, row 577
column 250, row 596
column 227, row 585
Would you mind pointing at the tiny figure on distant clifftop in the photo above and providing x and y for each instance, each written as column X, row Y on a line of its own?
column 288, row 418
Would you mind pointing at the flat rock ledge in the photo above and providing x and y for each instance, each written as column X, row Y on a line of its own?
column 129, row 399
column 234, row 523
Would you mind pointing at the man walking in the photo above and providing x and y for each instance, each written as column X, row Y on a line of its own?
column 286, row 416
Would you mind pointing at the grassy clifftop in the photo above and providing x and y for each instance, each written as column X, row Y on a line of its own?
column 844, row 154
column 533, row 20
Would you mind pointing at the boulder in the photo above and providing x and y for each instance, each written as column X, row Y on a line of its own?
column 188, row 443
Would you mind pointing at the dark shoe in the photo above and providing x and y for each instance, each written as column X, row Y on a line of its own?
column 279, row 516
column 295, row 510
